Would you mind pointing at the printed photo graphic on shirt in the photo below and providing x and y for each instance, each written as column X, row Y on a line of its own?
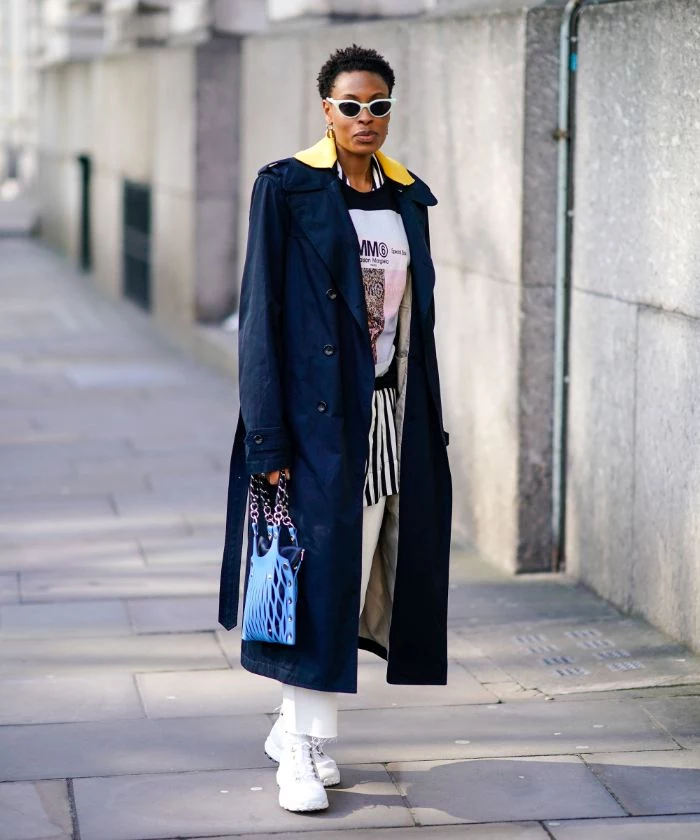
column 384, row 278
column 373, row 279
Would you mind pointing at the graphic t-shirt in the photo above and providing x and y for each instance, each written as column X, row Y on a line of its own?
column 384, row 257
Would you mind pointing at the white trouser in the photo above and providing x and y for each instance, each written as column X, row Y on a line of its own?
column 315, row 713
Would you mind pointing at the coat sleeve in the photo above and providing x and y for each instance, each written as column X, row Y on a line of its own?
column 267, row 442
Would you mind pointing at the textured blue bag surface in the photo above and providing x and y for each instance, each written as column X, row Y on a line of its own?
column 269, row 614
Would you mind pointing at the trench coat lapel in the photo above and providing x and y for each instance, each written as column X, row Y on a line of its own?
column 325, row 219
column 422, row 270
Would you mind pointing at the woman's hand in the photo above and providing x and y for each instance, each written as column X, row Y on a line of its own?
column 274, row 477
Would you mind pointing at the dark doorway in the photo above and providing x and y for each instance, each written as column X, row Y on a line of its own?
column 85, row 164
column 12, row 162
column 137, row 243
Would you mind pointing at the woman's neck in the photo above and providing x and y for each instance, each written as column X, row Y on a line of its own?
column 357, row 169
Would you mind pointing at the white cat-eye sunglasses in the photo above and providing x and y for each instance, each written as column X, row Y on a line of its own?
column 352, row 108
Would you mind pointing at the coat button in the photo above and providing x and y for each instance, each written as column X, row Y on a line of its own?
column 331, row 294
column 329, row 350
column 322, row 407
column 258, row 439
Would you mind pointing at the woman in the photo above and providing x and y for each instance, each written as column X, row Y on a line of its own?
column 339, row 387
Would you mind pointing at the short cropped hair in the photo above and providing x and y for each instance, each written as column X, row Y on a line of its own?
column 353, row 58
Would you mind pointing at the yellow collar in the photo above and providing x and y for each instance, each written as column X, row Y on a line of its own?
column 323, row 155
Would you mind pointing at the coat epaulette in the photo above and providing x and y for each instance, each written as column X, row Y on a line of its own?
column 270, row 165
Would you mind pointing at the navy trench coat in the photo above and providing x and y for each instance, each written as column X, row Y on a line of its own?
column 306, row 378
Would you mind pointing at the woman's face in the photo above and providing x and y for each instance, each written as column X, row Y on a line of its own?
column 364, row 134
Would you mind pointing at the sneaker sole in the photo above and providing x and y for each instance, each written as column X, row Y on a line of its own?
column 301, row 809
column 328, row 783
column 304, row 810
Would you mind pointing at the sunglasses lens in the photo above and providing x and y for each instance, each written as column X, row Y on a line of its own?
column 380, row 108
column 349, row 109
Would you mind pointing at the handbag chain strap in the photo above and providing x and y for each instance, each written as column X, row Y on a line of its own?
column 259, row 499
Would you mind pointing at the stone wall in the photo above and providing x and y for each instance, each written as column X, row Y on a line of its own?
column 634, row 461
column 64, row 119
column 166, row 118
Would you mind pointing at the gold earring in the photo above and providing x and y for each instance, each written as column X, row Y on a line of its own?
column 329, row 131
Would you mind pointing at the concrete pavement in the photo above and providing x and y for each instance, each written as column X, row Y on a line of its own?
column 124, row 712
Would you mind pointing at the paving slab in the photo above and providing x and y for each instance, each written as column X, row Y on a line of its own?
column 631, row 828
column 118, row 583
column 73, row 618
column 571, row 656
column 181, row 491
column 42, row 513
column 68, row 699
column 27, row 457
column 9, row 588
column 543, row 597
column 187, row 502
column 536, row 728
column 165, row 463
column 32, row 470
column 640, row 693
column 68, row 554
column 111, row 375
column 189, row 551
column 220, row 692
column 230, row 642
column 174, row 615
column 373, row 691
column 35, row 811
column 126, row 416
column 680, row 716
column 15, row 423
column 126, row 654
column 183, row 431
column 124, row 747
column 64, row 484
column 124, row 527
column 652, row 783
column 483, row 831
column 461, row 648
column 511, row 690
column 213, row 481
column 492, row 790
column 213, row 518
column 196, row 804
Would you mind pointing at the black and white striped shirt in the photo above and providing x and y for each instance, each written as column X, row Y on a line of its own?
column 377, row 174
column 384, row 257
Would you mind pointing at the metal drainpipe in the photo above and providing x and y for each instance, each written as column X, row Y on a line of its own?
column 565, row 134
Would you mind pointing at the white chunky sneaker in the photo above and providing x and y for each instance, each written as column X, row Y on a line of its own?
column 327, row 768
column 297, row 777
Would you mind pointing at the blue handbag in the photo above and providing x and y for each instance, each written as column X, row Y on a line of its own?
column 269, row 613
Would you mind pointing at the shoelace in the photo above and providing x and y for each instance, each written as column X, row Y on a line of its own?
column 317, row 747
column 304, row 767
